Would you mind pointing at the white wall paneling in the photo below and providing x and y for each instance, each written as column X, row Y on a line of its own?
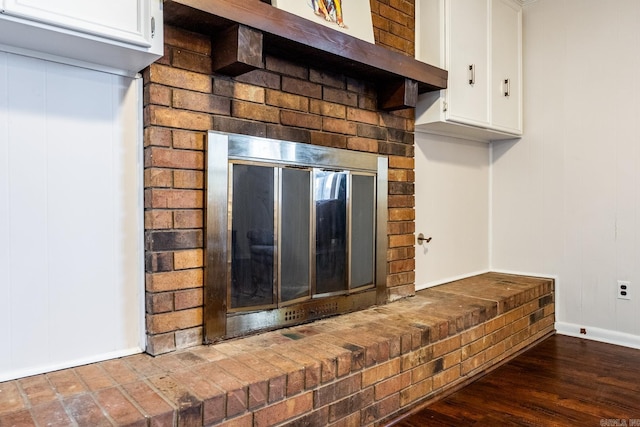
column 452, row 207
column 566, row 199
column 70, row 216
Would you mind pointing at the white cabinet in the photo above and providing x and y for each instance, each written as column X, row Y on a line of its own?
column 506, row 66
column 480, row 43
column 468, row 62
column 121, row 36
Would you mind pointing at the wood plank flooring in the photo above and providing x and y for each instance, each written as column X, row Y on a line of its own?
column 561, row 382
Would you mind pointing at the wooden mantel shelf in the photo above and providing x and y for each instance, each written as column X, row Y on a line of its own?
column 243, row 30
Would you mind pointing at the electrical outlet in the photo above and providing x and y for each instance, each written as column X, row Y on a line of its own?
column 623, row 289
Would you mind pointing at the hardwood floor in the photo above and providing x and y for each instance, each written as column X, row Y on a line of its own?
column 563, row 381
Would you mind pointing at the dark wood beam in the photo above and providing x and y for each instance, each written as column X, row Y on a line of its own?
column 396, row 95
column 237, row 50
column 293, row 37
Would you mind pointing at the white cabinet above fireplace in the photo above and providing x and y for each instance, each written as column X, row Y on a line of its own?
column 479, row 42
column 120, row 36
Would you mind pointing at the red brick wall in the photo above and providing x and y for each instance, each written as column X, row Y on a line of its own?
column 290, row 101
column 394, row 24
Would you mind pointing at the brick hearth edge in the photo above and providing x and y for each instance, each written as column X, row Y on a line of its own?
column 363, row 368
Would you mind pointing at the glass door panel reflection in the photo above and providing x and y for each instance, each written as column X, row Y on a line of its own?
column 363, row 203
column 330, row 197
column 252, row 235
column 295, row 236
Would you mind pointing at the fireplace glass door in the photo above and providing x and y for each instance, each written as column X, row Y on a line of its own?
column 252, row 236
column 363, row 222
column 295, row 235
column 294, row 232
column 330, row 200
column 272, row 213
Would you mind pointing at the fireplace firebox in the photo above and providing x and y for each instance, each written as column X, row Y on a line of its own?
column 295, row 232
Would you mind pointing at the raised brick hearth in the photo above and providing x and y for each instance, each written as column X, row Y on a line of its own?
column 358, row 369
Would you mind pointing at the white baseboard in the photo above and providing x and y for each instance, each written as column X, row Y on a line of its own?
column 448, row 279
column 55, row 366
column 598, row 334
column 526, row 273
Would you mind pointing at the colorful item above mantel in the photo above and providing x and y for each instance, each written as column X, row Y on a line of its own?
column 352, row 17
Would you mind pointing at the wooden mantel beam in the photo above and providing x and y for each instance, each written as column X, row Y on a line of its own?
column 290, row 36
column 237, row 50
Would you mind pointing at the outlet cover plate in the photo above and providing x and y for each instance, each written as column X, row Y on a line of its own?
column 623, row 289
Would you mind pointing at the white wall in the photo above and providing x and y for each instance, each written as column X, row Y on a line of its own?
column 452, row 207
column 566, row 197
column 70, row 216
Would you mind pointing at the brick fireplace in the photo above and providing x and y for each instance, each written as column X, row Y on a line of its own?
column 362, row 368
column 286, row 100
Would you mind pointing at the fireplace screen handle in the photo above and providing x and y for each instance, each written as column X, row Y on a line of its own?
column 421, row 239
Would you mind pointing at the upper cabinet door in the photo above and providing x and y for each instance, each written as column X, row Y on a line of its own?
column 506, row 79
column 482, row 45
column 466, row 60
column 120, row 20
column 115, row 36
